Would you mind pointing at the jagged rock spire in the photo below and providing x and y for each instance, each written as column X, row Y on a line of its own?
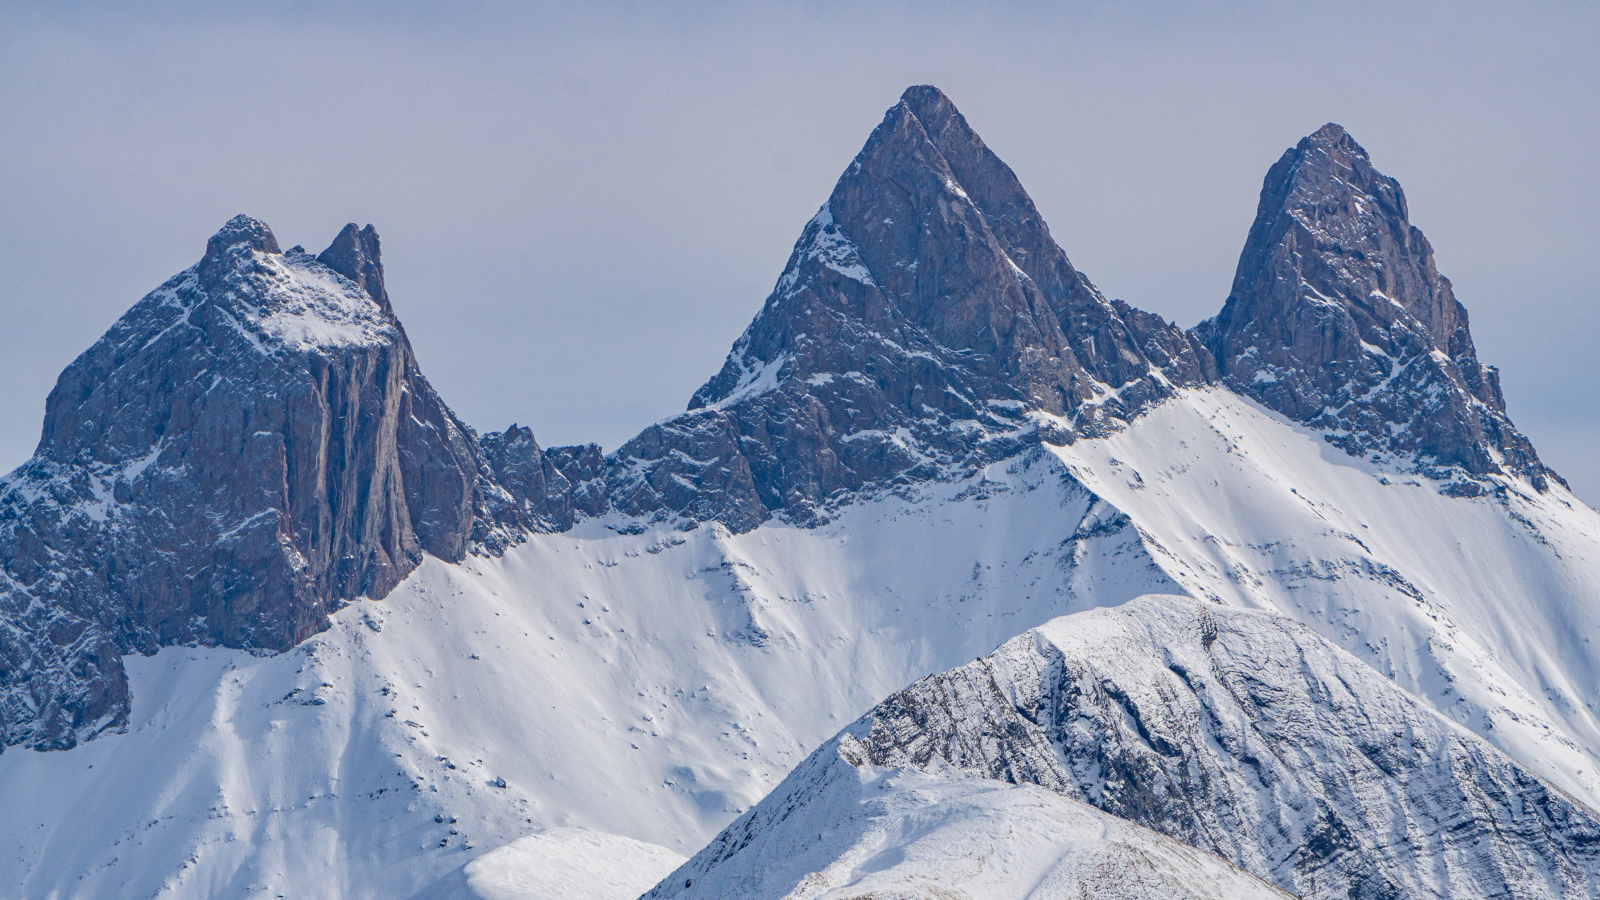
column 1339, row 319
column 239, row 231
column 355, row 254
column 938, row 237
column 923, row 319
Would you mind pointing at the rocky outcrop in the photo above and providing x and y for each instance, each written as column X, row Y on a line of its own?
column 1339, row 320
column 249, row 447
column 548, row 490
column 926, row 323
column 1251, row 737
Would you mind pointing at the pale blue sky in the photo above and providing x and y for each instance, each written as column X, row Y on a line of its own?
column 583, row 205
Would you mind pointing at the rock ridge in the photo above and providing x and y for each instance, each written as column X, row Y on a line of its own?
column 253, row 444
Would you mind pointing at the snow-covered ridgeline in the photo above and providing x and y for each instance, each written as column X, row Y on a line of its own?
column 1241, row 733
column 840, row 828
column 699, row 668
column 1488, row 607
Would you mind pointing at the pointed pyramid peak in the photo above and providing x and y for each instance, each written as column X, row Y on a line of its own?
column 241, row 229
column 1329, row 133
column 924, row 113
column 945, row 126
column 1329, row 167
column 1334, row 294
column 357, row 255
column 1337, row 143
column 927, row 102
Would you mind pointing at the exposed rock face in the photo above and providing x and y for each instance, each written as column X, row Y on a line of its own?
column 1248, row 736
column 1338, row 319
column 548, row 490
column 249, row 447
column 924, row 319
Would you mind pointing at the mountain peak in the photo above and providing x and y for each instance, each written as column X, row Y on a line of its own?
column 933, row 110
column 254, row 442
column 1339, row 319
column 924, row 95
column 241, row 229
column 1332, row 133
column 926, row 322
column 355, row 254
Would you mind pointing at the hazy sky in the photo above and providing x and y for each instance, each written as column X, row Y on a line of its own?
column 582, row 205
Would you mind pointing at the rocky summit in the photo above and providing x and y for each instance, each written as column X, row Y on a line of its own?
column 935, row 436
column 249, row 447
column 1339, row 320
column 926, row 323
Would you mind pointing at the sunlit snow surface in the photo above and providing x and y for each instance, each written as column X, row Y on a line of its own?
column 561, row 864
column 1489, row 609
column 701, row 667
column 899, row 834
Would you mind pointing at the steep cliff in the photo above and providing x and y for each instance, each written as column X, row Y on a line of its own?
column 248, row 448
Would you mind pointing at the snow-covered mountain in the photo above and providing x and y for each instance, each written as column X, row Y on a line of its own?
column 1243, row 734
column 373, row 645
column 652, row 685
column 839, row 827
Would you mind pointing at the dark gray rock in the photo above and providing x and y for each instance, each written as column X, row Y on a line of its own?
column 1339, row 320
column 926, row 323
column 548, row 489
column 356, row 255
column 252, row 445
column 248, row 448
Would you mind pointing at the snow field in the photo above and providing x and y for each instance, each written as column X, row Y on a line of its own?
column 650, row 685
column 1487, row 608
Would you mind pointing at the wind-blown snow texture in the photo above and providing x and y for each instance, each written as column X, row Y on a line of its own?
column 1242, row 734
column 1488, row 607
column 839, row 828
column 560, row 864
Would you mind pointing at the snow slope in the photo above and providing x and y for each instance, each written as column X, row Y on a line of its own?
column 560, row 864
column 1240, row 733
column 703, row 666
column 651, row 685
column 1488, row 607
column 838, row 828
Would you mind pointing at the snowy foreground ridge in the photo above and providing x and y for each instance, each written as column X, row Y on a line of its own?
column 1240, row 733
column 839, row 828
column 1284, row 603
